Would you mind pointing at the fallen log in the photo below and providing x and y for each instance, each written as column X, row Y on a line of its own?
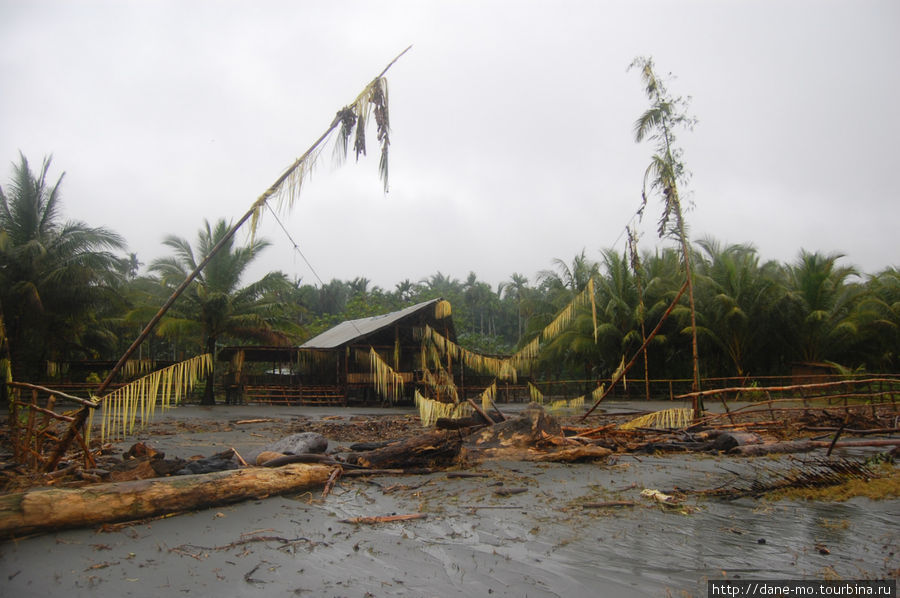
column 427, row 450
column 385, row 518
column 509, row 491
column 44, row 510
column 766, row 448
column 804, row 446
column 446, row 423
column 609, row 503
column 570, row 455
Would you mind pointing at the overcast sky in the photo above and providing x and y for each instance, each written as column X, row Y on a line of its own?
column 512, row 125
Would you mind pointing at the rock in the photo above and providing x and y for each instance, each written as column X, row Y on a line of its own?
column 219, row 462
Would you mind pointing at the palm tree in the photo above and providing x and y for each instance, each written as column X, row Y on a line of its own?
column 54, row 276
column 516, row 289
column 737, row 297
column 664, row 175
column 215, row 306
column 405, row 290
column 820, row 305
column 572, row 279
column 618, row 309
column 878, row 314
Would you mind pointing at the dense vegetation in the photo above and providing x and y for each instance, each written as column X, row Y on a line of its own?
column 68, row 291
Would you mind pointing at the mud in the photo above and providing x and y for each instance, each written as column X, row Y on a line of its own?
column 474, row 541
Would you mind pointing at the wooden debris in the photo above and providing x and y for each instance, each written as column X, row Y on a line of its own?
column 509, row 491
column 440, row 447
column 608, row 504
column 266, row 456
column 43, row 510
column 660, row 497
column 570, row 455
column 385, row 518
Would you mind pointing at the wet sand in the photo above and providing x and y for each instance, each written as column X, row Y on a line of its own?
column 473, row 542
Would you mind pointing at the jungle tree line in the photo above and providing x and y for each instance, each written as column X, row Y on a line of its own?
column 69, row 291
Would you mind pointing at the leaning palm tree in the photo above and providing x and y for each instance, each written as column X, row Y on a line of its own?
column 54, row 275
column 665, row 173
column 216, row 306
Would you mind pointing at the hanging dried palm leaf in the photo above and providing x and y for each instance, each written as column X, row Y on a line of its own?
column 563, row 404
column 534, row 392
column 441, row 385
column 121, row 407
column 565, row 317
column 430, row 411
column 474, row 361
column 488, row 396
column 136, row 367
column 442, row 309
column 620, row 373
column 387, row 383
column 667, row 419
column 350, row 121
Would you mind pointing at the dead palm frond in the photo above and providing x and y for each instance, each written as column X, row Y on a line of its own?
column 135, row 403
column 810, row 473
column 488, row 396
column 387, row 383
column 349, row 122
column 667, row 419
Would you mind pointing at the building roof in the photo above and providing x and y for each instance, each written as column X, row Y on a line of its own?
column 350, row 331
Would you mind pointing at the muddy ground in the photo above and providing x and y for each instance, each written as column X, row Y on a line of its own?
column 474, row 541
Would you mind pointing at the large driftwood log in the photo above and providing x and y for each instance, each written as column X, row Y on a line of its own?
column 804, row 446
column 42, row 510
column 433, row 448
column 768, row 448
column 573, row 454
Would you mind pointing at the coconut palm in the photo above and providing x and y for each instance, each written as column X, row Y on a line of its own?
column 878, row 315
column 516, row 290
column 819, row 305
column 55, row 275
column 737, row 295
column 617, row 309
column 215, row 306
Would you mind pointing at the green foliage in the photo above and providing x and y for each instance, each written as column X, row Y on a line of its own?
column 56, row 277
column 64, row 293
column 215, row 308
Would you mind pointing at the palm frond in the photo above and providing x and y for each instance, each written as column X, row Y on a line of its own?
column 136, row 402
column 667, row 419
